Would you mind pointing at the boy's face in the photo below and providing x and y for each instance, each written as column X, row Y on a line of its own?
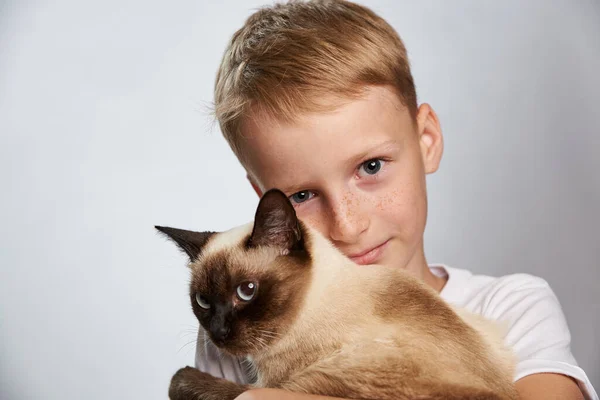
column 357, row 174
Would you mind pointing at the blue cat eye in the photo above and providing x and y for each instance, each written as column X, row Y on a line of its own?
column 202, row 302
column 246, row 291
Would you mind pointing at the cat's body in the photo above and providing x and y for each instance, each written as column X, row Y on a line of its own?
column 328, row 326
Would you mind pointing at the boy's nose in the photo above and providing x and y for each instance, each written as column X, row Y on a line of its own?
column 347, row 224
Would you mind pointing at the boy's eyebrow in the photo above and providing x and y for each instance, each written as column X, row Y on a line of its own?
column 290, row 190
column 374, row 151
column 293, row 189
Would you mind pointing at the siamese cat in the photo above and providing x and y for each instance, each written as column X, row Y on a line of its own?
column 278, row 294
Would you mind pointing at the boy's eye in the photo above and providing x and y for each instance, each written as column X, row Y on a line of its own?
column 202, row 302
column 371, row 167
column 246, row 291
column 301, row 197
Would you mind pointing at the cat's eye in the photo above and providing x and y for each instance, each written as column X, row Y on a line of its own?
column 246, row 291
column 202, row 302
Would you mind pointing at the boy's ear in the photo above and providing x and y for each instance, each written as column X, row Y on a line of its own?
column 188, row 241
column 431, row 140
column 275, row 223
column 254, row 185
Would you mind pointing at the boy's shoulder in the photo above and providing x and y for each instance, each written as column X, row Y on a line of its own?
column 537, row 329
column 525, row 303
column 488, row 294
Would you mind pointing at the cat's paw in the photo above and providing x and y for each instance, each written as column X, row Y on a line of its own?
column 187, row 382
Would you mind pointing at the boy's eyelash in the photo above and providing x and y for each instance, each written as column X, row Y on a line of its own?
column 384, row 159
column 373, row 158
column 304, row 190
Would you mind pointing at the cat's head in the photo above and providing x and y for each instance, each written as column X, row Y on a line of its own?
column 248, row 284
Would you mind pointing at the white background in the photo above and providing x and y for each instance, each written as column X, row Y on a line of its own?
column 104, row 133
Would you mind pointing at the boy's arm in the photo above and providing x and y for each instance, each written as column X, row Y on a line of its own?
column 539, row 335
column 548, row 386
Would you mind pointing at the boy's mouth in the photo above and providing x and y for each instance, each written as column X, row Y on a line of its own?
column 369, row 256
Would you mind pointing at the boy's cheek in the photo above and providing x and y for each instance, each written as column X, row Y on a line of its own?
column 403, row 212
column 314, row 219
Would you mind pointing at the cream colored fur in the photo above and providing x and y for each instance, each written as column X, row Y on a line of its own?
column 352, row 331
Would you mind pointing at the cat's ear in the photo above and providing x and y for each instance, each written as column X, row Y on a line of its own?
column 275, row 223
column 188, row 241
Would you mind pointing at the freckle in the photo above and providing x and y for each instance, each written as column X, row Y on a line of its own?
column 388, row 200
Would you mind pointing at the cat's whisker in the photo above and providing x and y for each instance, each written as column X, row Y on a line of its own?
column 264, row 334
column 188, row 326
column 255, row 347
column 270, row 334
column 188, row 330
column 267, row 332
column 184, row 334
column 205, row 341
column 262, row 342
column 186, row 344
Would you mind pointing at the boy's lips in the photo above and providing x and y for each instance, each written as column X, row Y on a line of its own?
column 369, row 256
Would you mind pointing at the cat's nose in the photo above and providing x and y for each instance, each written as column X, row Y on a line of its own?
column 220, row 333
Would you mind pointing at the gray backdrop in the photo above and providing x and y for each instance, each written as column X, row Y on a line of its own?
column 104, row 133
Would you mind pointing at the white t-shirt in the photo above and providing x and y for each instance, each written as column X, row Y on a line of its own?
column 537, row 329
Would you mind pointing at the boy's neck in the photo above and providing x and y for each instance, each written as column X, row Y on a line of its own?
column 419, row 267
column 436, row 282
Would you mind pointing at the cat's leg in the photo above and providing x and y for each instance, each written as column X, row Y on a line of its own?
column 191, row 384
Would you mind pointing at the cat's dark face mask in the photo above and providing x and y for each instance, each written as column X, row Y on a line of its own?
column 247, row 293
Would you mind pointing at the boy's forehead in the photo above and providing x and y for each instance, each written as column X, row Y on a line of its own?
column 285, row 151
column 345, row 113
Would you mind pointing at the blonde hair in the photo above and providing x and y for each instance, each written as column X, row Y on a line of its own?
column 288, row 56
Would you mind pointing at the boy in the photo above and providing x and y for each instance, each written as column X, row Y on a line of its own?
column 317, row 99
